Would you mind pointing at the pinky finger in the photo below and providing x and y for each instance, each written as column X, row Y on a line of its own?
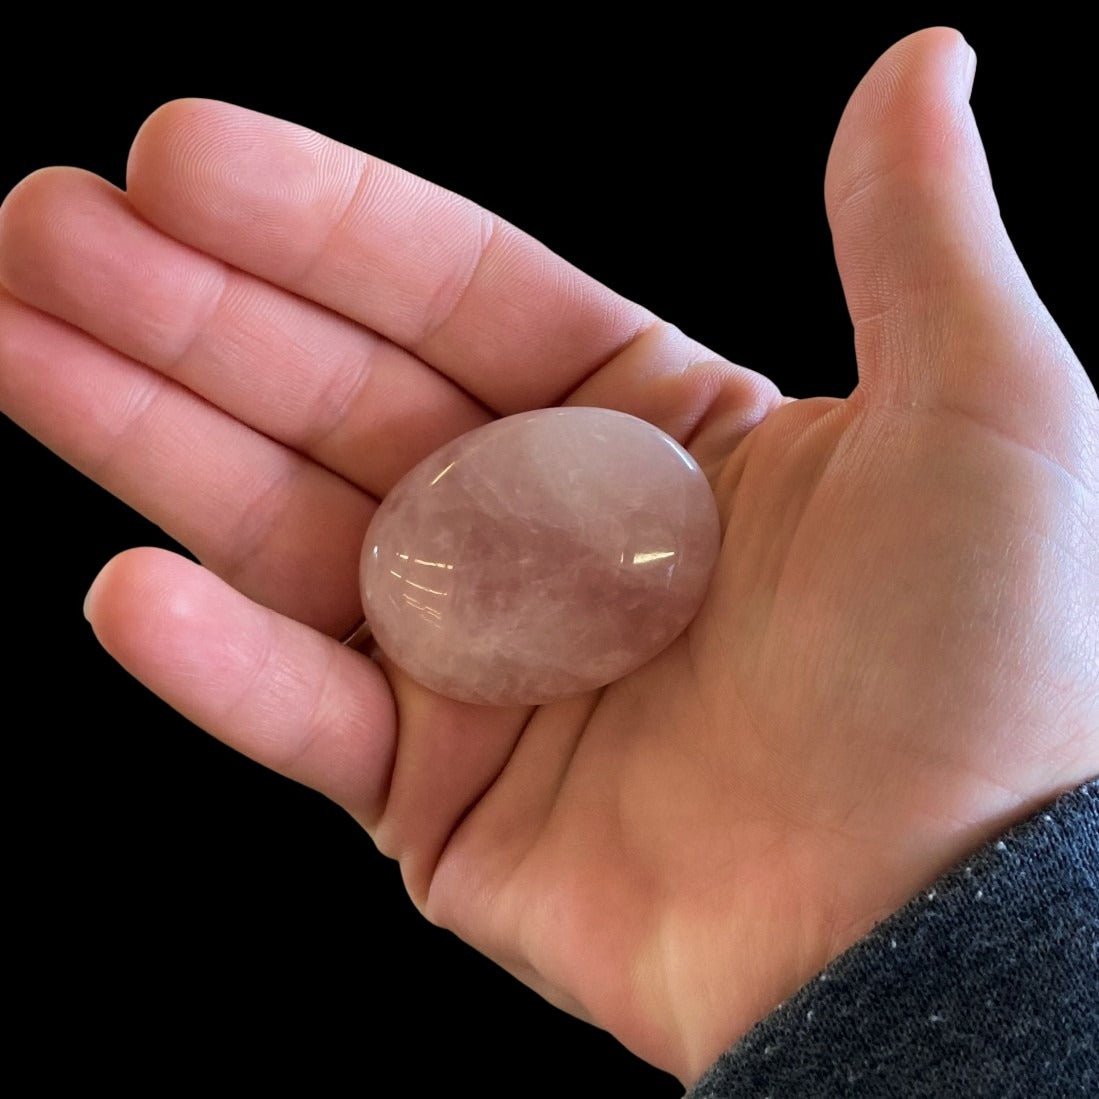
column 274, row 689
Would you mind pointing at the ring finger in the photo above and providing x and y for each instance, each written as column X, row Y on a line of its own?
column 279, row 527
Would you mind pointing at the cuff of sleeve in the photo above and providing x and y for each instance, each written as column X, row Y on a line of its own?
column 985, row 984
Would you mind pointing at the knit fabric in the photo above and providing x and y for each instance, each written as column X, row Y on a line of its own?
column 986, row 984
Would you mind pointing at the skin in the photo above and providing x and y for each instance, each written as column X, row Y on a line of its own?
column 899, row 655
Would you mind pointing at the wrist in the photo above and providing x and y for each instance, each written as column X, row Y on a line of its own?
column 844, row 891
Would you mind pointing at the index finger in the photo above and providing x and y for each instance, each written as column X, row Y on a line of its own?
column 478, row 299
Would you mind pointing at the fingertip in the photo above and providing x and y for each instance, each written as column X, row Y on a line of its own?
column 964, row 59
column 92, row 597
column 167, row 141
column 38, row 190
column 51, row 225
column 17, row 197
column 910, row 107
column 105, row 586
column 143, row 585
column 162, row 123
column 143, row 157
column 947, row 59
column 182, row 129
column 29, row 209
column 234, row 182
column 941, row 40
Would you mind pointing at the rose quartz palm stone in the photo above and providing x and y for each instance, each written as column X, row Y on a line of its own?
column 539, row 556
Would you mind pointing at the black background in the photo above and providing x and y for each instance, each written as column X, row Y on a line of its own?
column 180, row 910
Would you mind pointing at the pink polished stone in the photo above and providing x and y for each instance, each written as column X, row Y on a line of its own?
column 540, row 556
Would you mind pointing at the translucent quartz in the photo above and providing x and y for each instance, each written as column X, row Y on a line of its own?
column 540, row 556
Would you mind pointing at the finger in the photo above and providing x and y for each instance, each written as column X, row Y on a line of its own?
column 71, row 245
column 943, row 310
column 705, row 402
column 509, row 321
column 304, row 705
column 281, row 693
column 274, row 524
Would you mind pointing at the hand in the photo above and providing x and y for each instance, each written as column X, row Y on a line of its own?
column 898, row 656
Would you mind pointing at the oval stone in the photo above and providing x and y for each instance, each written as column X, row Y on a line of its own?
column 539, row 556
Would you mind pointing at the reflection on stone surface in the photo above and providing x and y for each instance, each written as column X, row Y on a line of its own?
column 540, row 556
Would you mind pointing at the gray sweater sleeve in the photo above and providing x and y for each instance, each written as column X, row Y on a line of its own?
column 987, row 984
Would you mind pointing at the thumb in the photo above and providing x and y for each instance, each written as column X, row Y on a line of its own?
column 944, row 313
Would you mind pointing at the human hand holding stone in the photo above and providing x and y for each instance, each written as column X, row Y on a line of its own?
column 897, row 654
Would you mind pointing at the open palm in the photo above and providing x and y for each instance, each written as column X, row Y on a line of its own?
column 898, row 652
